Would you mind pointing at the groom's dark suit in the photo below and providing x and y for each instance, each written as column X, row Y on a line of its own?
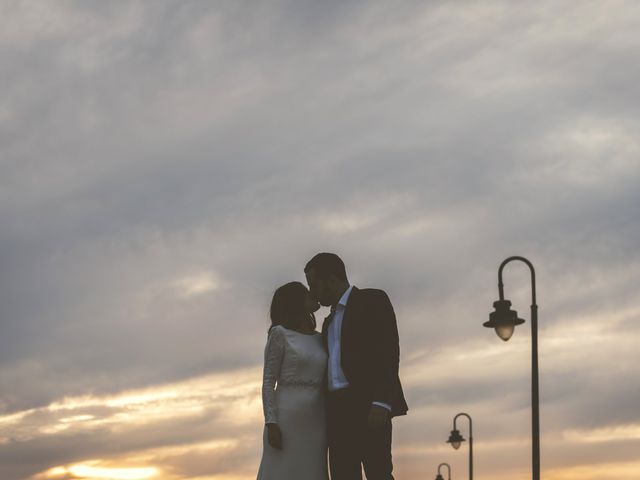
column 370, row 356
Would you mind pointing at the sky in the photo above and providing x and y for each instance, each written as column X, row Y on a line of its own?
column 166, row 165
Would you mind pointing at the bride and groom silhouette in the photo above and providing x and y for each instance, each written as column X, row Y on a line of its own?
column 334, row 391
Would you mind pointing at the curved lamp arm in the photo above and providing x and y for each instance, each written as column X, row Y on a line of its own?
column 533, row 277
column 470, row 423
column 448, row 468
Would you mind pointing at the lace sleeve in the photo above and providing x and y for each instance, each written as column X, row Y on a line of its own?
column 273, row 355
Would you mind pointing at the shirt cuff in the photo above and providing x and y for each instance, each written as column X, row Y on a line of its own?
column 383, row 405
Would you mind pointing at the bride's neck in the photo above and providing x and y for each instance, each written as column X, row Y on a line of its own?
column 304, row 328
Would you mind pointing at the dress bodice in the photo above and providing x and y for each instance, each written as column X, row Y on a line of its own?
column 292, row 360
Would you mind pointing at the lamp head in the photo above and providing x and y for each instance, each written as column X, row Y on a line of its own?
column 455, row 439
column 503, row 319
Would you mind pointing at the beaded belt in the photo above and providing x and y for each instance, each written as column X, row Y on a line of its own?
column 299, row 383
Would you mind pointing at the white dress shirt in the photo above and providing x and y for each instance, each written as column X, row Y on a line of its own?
column 336, row 377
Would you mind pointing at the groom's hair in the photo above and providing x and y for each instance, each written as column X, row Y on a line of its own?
column 326, row 264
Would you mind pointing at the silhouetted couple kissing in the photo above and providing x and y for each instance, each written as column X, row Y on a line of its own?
column 333, row 392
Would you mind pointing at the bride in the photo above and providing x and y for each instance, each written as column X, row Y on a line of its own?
column 295, row 362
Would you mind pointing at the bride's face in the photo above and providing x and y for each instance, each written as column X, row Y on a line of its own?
column 310, row 303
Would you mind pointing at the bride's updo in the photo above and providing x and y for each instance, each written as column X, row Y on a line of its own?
column 289, row 306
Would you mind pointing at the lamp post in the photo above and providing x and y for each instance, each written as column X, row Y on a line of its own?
column 455, row 439
column 439, row 476
column 504, row 320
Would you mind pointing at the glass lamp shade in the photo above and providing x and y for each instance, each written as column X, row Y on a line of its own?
column 505, row 331
column 455, row 439
column 503, row 319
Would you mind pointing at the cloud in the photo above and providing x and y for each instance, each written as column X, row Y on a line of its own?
column 165, row 167
column 171, row 421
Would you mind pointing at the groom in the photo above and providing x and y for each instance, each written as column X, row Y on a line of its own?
column 364, row 390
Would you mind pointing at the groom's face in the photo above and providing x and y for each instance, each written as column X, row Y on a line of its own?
column 319, row 288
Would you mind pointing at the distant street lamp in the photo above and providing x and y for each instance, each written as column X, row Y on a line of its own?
column 504, row 320
column 439, row 476
column 455, row 439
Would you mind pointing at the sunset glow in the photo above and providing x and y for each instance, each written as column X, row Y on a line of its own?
column 96, row 472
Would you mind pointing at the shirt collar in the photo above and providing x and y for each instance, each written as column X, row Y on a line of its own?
column 345, row 297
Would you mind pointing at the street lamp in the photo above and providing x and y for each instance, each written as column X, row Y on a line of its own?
column 439, row 476
column 504, row 320
column 455, row 439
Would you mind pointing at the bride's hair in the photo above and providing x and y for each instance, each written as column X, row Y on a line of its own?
column 288, row 306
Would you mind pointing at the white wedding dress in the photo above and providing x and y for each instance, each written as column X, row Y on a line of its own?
column 297, row 363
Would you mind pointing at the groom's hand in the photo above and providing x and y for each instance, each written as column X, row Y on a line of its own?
column 274, row 435
column 378, row 416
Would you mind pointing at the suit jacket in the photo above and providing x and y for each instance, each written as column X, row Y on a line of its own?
column 370, row 348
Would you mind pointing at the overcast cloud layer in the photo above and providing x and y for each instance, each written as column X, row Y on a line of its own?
column 166, row 165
